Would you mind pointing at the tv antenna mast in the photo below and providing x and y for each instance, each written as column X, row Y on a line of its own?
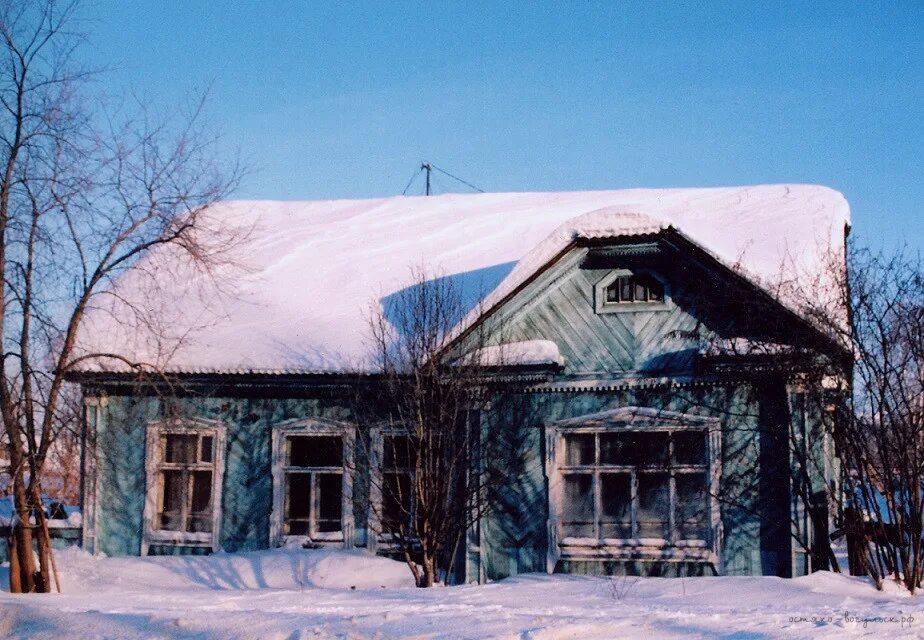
column 429, row 168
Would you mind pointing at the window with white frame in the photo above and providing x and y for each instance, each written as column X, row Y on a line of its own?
column 312, row 486
column 185, row 465
column 636, row 484
column 638, row 290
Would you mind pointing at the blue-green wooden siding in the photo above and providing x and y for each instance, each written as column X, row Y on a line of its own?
column 557, row 306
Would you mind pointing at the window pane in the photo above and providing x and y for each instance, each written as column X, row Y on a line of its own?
column 200, row 511
column 398, row 452
column 641, row 291
column 578, row 507
column 579, row 449
column 315, row 451
column 612, row 292
column 171, row 518
column 625, row 290
column 616, row 448
column 689, row 447
column 655, row 290
column 691, row 509
column 207, row 454
column 634, row 448
column 653, row 505
column 298, row 503
column 396, row 500
column 616, row 504
column 180, row 448
column 330, row 505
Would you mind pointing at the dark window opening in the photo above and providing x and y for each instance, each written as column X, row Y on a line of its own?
column 634, row 288
column 635, row 484
column 186, row 482
column 313, row 485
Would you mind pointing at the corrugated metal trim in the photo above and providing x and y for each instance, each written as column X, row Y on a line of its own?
column 199, row 371
column 630, row 383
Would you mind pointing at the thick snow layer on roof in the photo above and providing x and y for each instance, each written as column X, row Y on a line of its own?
column 316, row 271
column 525, row 352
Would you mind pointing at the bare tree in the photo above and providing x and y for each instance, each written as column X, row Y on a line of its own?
column 80, row 205
column 425, row 427
column 856, row 442
column 880, row 434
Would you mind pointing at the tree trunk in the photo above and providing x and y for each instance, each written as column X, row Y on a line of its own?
column 43, row 585
column 15, row 576
column 22, row 532
column 429, row 577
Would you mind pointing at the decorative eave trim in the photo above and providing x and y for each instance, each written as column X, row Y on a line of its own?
column 621, row 384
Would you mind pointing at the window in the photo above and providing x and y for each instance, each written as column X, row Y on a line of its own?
column 186, row 472
column 312, row 484
column 185, row 464
column 313, row 477
column 398, row 465
column 628, row 484
column 634, row 288
column 622, row 290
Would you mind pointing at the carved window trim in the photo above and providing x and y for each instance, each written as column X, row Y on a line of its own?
column 631, row 419
column 601, row 305
column 154, row 465
column 312, row 427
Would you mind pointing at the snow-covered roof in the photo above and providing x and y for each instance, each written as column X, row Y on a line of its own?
column 519, row 353
column 315, row 271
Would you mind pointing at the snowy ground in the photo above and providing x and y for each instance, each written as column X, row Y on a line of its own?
column 292, row 595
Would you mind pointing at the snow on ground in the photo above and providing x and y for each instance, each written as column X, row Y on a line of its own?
column 295, row 594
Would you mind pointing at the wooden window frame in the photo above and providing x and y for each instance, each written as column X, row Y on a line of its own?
column 632, row 420
column 601, row 305
column 154, row 466
column 281, row 432
column 376, row 538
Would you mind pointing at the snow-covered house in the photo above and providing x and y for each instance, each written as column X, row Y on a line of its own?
column 636, row 422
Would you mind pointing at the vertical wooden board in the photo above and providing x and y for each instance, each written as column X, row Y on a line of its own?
column 121, row 445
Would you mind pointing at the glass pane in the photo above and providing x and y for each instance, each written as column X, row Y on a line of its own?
column 315, row 451
column 180, row 448
column 655, row 291
column 689, row 447
column 615, row 448
column 171, row 518
column 625, row 290
column 578, row 507
column 641, row 291
column 634, row 448
column 691, row 508
column 206, row 454
column 653, row 505
column 200, row 524
column 579, row 449
column 612, row 292
column 298, row 503
column 616, row 504
column 201, row 492
column 330, row 504
column 396, row 500
column 398, row 452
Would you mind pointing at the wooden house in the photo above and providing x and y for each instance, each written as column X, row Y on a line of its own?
column 647, row 447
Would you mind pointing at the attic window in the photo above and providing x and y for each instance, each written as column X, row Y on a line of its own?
column 631, row 289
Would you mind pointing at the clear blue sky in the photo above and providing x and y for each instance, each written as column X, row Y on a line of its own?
column 327, row 100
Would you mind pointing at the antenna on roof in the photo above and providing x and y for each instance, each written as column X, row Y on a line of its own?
column 429, row 167
column 426, row 166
